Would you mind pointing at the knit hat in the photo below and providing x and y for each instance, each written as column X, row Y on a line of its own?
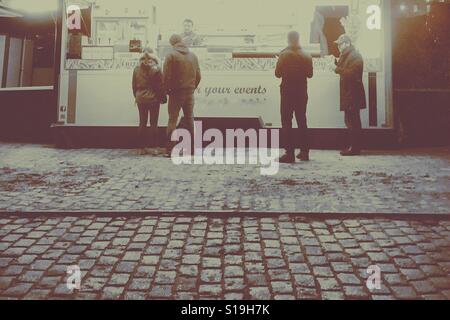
column 151, row 56
column 175, row 39
column 344, row 39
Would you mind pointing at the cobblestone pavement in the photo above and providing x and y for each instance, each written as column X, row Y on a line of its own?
column 36, row 178
column 182, row 257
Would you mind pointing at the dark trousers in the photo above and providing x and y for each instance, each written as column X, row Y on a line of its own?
column 183, row 100
column 353, row 123
column 294, row 102
column 147, row 111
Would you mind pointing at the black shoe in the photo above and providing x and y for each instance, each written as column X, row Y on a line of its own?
column 142, row 152
column 303, row 156
column 351, row 152
column 169, row 147
column 287, row 158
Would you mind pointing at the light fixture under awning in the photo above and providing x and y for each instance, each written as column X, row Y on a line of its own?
column 6, row 12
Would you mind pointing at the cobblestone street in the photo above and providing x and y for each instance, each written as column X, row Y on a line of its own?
column 214, row 253
column 148, row 151
column 42, row 178
column 287, row 257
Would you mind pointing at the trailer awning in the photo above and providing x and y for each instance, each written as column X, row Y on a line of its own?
column 6, row 12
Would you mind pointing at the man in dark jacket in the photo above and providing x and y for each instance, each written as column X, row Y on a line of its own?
column 149, row 93
column 181, row 77
column 294, row 67
column 350, row 67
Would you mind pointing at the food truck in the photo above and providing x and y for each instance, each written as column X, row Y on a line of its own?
column 239, row 42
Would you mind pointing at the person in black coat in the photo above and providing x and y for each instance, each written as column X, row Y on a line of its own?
column 149, row 93
column 294, row 66
column 350, row 67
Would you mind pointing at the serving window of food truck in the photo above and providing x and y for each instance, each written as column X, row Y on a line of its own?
column 237, row 43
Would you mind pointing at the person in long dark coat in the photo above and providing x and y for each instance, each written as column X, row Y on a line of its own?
column 350, row 67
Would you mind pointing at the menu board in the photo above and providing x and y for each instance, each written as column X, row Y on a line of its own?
column 97, row 53
column 120, row 31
